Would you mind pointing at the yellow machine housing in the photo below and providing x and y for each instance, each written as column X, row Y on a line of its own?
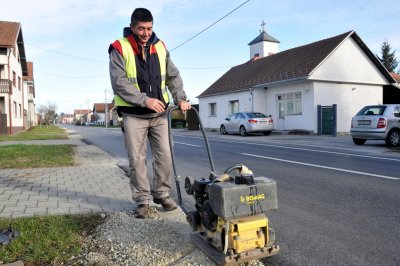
column 247, row 233
column 229, row 222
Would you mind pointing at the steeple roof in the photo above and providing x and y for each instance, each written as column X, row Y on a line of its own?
column 264, row 37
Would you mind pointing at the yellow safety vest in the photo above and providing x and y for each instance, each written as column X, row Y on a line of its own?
column 130, row 69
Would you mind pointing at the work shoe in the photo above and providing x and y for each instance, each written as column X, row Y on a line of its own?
column 142, row 211
column 167, row 203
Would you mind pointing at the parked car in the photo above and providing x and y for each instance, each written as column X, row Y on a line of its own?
column 244, row 123
column 377, row 122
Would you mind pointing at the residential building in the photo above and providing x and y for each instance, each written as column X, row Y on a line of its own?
column 67, row 118
column 328, row 80
column 116, row 119
column 81, row 115
column 13, row 69
column 101, row 111
column 29, row 86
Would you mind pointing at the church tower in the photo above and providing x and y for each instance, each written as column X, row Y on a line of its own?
column 263, row 45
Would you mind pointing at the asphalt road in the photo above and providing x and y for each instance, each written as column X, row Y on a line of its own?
column 339, row 204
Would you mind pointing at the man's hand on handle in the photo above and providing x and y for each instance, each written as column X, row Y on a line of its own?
column 158, row 106
column 184, row 105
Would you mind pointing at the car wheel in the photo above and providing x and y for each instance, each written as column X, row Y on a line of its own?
column 222, row 130
column 393, row 138
column 267, row 133
column 242, row 131
column 359, row 141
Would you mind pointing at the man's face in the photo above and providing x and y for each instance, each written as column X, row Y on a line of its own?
column 143, row 30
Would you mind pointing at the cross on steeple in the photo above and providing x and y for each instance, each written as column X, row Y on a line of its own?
column 262, row 25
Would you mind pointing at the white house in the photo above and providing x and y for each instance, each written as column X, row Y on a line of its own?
column 29, row 100
column 13, row 67
column 100, row 111
column 339, row 74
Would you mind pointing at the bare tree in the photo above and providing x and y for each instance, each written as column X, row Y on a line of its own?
column 47, row 113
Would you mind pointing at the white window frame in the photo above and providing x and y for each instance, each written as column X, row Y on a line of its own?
column 234, row 106
column 212, row 109
column 289, row 104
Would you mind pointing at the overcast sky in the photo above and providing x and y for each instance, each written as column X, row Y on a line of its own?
column 67, row 40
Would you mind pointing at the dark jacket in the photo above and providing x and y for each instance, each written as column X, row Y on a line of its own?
column 148, row 75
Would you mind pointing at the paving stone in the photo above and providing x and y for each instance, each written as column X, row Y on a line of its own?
column 95, row 185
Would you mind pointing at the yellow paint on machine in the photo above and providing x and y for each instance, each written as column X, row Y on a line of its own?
column 248, row 233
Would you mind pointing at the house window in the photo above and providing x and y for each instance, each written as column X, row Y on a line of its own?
column 3, row 51
column 15, row 109
column 20, row 110
column 289, row 104
column 234, row 106
column 256, row 55
column 212, row 109
column 19, row 83
column 14, row 79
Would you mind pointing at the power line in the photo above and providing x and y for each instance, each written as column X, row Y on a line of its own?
column 204, row 68
column 103, row 61
column 70, row 55
column 210, row 26
column 71, row 77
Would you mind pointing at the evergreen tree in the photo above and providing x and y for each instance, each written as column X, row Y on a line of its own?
column 388, row 59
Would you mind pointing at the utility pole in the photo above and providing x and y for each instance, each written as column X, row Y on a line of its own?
column 106, row 106
column 87, row 118
column 81, row 114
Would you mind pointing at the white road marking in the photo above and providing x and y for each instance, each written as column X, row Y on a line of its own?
column 193, row 145
column 306, row 149
column 321, row 166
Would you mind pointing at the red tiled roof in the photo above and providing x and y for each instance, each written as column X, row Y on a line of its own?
column 292, row 64
column 100, row 107
column 29, row 77
column 81, row 111
column 395, row 76
column 9, row 33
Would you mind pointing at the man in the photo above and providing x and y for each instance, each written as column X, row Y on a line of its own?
column 141, row 70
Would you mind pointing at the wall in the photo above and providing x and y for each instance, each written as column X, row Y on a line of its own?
column 350, row 98
column 17, row 95
column 302, row 121
column 263, row 49
column 349, row 64
column 11, row 65
column 222, row 107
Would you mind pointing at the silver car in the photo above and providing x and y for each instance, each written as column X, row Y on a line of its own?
column 244, row 123
column 377, row 122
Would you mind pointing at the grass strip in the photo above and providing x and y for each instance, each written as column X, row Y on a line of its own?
column 38, row 133
column 36, row 156
column 47, row 240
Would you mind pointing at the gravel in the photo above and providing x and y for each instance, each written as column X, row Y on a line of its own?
column 162, row 239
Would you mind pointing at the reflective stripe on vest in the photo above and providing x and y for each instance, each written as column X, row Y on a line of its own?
column 131, row 73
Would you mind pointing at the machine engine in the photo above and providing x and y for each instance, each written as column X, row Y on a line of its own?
column 230, row 210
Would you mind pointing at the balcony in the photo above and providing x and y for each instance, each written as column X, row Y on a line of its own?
column 5, row 86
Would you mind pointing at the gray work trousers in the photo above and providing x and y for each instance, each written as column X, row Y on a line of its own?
column 137, row 131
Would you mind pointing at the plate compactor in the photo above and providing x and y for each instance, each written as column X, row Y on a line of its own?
column 229, row 222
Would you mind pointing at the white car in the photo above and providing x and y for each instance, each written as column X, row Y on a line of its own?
column 247, row 122
column 377, row 122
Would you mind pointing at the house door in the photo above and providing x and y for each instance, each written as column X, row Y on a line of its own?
column 281, row 116
column 327, row 120
column 3, row 124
